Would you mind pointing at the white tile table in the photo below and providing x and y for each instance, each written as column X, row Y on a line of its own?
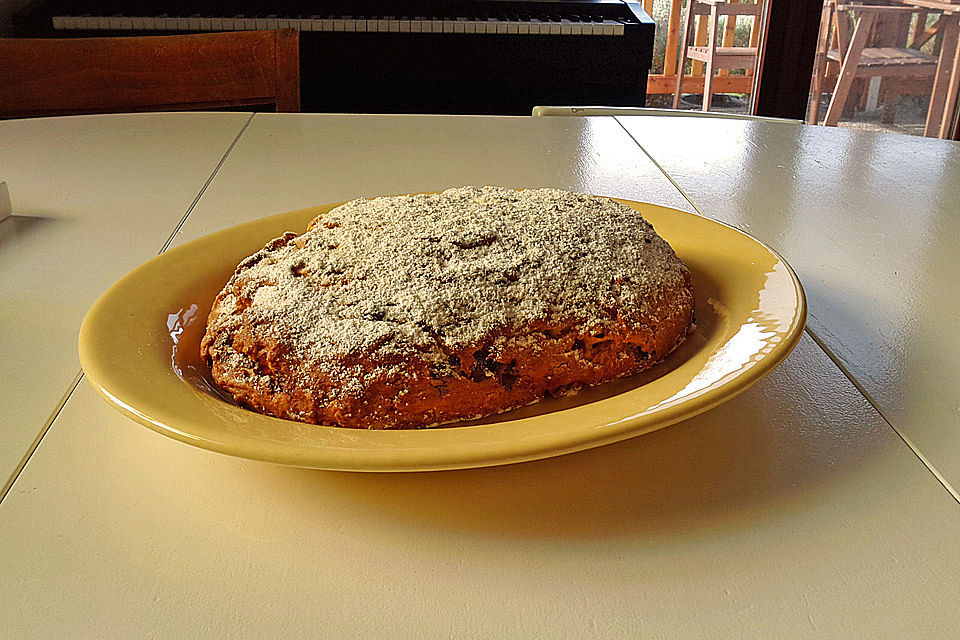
column 793, row 511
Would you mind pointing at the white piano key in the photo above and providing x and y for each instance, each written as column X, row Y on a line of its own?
column 323, row 24
column 618, row 29
column 193, row 23
column 404, row 26
column 101, row 22
column 416, row 26
column 448, row 26
column 338, row 24
column 535, row 27
column 183, row 24
column 436, row 26
column 469, row 26
column 513, row 27
column 261, row 23
column 113, row 23
column 394, row 26
column 125, row 23
column 460, row 26
column 349, row 24
column 58, row 22
column 554, row 28
column 523, row 28
column 566, row 27
column 609, row 27
column 502, row 27
column 204, row 23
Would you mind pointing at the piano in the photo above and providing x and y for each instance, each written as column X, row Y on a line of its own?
column 411, row 56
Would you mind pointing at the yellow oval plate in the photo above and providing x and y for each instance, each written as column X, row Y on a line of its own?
column 139, row 346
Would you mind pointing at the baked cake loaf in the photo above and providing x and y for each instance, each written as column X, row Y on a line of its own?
column 413, row 311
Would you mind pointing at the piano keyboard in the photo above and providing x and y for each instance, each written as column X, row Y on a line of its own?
column 590, row 26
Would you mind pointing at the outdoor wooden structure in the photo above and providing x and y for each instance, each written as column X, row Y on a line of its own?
column 876, row 48
column 42, row 77
column 715, row 57
column 723, row 82
column 943, row 99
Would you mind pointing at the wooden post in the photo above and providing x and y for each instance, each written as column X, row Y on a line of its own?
column 946, row 126
column 696, row 67
column 849, row 68
column 673, row 27
column 729, row 34
column 938, row 99
column 755, row 35
column 708, row 72
column 684, row 39
column 919, row 28
column 648, row 7
column 820, row 63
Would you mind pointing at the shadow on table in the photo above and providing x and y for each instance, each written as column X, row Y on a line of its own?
column 749, row 459
column 17, row 226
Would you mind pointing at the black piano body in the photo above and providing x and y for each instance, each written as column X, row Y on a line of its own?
column 412, row 56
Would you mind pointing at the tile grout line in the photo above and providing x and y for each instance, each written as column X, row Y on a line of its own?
column 660, row 167
column 823, row 347
column 849, row 375
column 206, row 184
column 43, row 431
column 76, row 380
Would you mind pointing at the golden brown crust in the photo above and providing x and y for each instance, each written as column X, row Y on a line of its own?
column 436, row 380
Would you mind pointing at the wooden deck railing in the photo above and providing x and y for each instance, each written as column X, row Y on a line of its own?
column 664, row 80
